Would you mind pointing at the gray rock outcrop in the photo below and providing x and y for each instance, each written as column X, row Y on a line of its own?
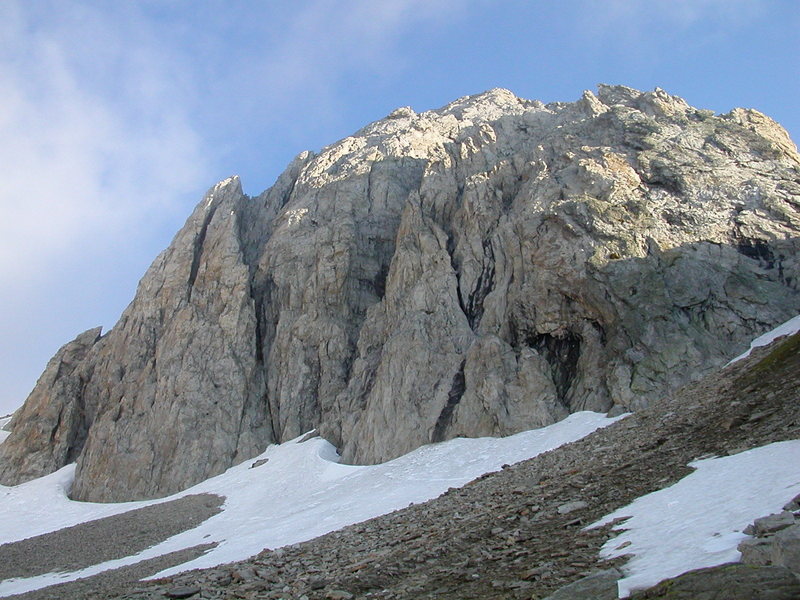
column 50, row 428
column 775, row 541
column 481, row 269
column 731, row 581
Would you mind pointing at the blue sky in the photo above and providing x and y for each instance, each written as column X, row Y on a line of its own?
column 117, row 116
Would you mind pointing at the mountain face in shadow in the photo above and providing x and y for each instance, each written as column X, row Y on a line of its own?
column 481, row 269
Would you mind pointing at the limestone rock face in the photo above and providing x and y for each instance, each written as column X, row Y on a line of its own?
column 481, row 269
column 50, row 428
column 179, row 381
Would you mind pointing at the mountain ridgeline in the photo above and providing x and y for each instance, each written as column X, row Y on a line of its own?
column 477, row 270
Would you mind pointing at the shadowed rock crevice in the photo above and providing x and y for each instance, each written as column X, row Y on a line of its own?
column 758, row 250
column 197, row 254
column 562, row 352
column 379, row 282
column 457, row 388
column 484, row 285
column 451, row 252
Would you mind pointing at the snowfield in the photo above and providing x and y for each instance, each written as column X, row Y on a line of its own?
column 698, row 521
column 308, row 494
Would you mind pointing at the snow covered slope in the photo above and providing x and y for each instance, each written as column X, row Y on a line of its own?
column 698, row 522
column 308, row 494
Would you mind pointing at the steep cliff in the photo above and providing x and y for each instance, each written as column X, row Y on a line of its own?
column 480, row 269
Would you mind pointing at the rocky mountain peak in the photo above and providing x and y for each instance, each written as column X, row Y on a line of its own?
column 480, row 269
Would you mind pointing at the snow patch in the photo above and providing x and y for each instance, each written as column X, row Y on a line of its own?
column 790, row 327
column 295, row 216
column 300, row 493
column 698, row 521
column 3, row 422
column 225, row 182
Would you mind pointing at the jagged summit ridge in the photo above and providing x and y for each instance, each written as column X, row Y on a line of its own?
column 480, row 269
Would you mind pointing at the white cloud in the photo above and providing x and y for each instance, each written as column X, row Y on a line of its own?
column 90, row 143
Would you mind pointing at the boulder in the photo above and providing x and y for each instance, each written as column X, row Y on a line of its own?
column 772, row 523
column 786, row 549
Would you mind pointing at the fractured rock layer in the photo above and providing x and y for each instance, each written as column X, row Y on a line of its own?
column 481, row 269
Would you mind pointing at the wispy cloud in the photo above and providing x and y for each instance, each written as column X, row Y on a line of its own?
column 105, row 120
column 684, row 13
column 90, row 141
column 305, row 66
column 329, row 38
column 637, row 24
column 94, row 141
